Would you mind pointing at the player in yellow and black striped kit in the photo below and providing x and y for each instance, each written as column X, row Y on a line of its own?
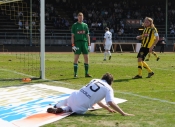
column 149, row 38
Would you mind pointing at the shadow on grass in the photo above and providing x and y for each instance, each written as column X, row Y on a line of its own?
column 124, row 80
column 128, row 79
column 88, row 115
column 63, row 79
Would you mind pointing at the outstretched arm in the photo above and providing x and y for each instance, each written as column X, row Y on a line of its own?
column 105, row 107
column 118, row 109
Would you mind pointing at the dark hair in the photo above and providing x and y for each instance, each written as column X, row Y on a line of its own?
column 106, row 28
column 108, row 77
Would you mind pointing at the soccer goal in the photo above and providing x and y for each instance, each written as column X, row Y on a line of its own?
column 22, row 40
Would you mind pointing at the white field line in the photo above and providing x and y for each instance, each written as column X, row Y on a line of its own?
column 16, row 72
column 149, row 98
column 127, row 93
column 165, row 69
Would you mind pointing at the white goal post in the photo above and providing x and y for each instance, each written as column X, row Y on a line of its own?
column 42, row 38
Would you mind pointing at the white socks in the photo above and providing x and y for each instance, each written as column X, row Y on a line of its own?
column 109, row 53
column 105, row 53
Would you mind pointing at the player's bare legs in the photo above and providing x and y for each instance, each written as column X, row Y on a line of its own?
column 76, row 57
column 86, row 58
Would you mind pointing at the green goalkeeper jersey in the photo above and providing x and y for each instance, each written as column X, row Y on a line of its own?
column 80, row 31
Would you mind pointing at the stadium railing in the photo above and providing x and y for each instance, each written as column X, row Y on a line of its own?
column 57, row 38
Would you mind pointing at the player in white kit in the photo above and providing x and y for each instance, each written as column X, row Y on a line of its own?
column 107, row 43
column 79, row 101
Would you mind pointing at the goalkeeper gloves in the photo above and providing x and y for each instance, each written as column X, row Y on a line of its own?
column 89, row 48
column 74, row 48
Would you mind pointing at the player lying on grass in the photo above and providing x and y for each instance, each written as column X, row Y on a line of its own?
column 81, row 100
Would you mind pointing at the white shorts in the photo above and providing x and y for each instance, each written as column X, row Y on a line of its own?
column 108, row 46
column 72, row 102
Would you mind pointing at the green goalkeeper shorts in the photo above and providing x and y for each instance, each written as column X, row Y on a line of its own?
column 82, row 47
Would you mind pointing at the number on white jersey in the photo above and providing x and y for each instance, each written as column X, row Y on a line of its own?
column 96, row 84
column 109, row 36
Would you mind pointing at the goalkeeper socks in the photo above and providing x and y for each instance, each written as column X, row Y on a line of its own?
column 86, row 67
column 140, row 66
column 155, row 54
column 75, row 68
column 146, row 67
column 109, row 53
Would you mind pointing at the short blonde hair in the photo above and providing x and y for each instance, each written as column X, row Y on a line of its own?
column 80, row 14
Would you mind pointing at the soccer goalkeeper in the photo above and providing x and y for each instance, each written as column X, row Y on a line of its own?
column 80, row 43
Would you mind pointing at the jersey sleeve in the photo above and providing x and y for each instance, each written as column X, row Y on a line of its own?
column 155, row 32
column 109, row 95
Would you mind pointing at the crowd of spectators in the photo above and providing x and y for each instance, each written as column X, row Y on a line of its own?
column 98, row 14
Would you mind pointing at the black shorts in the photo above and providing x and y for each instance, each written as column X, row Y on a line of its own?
column 143, row 52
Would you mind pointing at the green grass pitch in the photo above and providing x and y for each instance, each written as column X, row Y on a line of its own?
column 152, row 100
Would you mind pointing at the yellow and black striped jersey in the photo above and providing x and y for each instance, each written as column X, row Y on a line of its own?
column 148, row 36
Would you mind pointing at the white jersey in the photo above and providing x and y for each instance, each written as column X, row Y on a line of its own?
column 87, row 96
column 108, row 37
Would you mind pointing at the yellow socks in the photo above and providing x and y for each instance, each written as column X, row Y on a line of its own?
column 145, row 65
